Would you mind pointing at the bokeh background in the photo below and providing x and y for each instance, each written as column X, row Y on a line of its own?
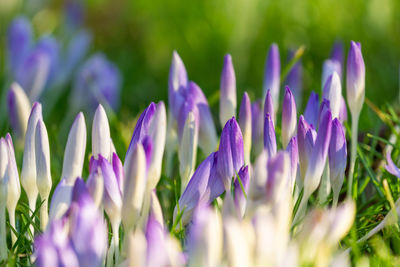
column 140, row 35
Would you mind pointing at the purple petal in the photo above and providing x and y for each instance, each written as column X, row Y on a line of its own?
column 269, row 136
column 257, row 128
column 227, row 100
column 325, row 107
column 269, row 105
column 391, row 167
column 177, row 83
column 312, row 108
column 118, row 170
column 292, row 149
column 294, row 79
column 272, row 73
column 289, row 117
column 240, row 199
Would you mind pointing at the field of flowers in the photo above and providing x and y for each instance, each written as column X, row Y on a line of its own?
column 278, row 177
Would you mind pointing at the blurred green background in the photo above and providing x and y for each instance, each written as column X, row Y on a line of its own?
column 140, row 35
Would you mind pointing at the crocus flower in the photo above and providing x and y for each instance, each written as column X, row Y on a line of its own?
column 118, row 170
column 177, row 83
column 95, row 184
column 272, row 74
column 294, row 79
column 311, row 111
column 269, row 105
column 230, row 154
column 19, row 41
column 18, row 110
column 74, row 156
column 101, row 134
column 306, row 136
column 28, row 173
column 245, row 121
column 329, row 67
column 289, row 117
column 43, row 180
column 269, row 136
column 227, row 100
column 205, row 239
column 337, row 54
column 333, row 93
column 4, row 177
column 355, row 79
column 14, row 186
column 240, row 196
column 188, row 149
column 337, row 158
column 97, row 81
column 134, row 187
column 323, row 108
column 292, row 149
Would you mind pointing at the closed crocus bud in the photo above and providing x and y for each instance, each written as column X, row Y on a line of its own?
column 289, row 117
column 305, row 139
column 97, row 81
column 337, row 155
column 278, row 168
column 227, row 100
column 203, row 187
column 355, row 78
column 330, row 66
column 18, row 109
column 272, row 74
column 19, row 41
column 74, row 154
column 205, row 239
column 325, row 107
column 28, row 173
column 101, row 134
column 241, row 189
column 188, row 149
column 245, row 125
column 87, row 229
column 312, row 109
column 337, row 54
column 269, row 105
column 134, row 187
column 4, row 177
column 177, row 83
column 318, row 155
column 333, row 93
column 257, row 127
column 269, row 136
column 157, row 133
column 43, row 180
column 14, row 186
column 293, row 152
column 230, row 154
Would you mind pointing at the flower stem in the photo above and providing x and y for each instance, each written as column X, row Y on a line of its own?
column 3, row 241
column 354, row 141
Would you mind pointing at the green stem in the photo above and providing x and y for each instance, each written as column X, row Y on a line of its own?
column 354, row 141
column 3, row 241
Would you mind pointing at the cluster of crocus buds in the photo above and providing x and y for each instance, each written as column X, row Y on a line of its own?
column 236, row 207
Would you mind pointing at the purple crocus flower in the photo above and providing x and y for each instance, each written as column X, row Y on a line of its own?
column 227, row 100
column 312, row 108
column 272, row 74
column 355, row 78
column 97, row 81
column 269, row 136
column 278, row 177
column 329, row 67
column 188, row 106
column 306, row 136
column 323, row 108
column 391, row 167
column 118, row 170
column 18, row 110
column 269, row 105
column 245, row 123
column 177, row 83
column 333, row 92
column 230, row 154
column 294, row 79
column 289, row 117
column 240, row 198
column 292, row 149
column 19, row 42
column 337, row 155
column 316, row 162
column 343, row 111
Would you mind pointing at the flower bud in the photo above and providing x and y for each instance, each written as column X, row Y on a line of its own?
column 227, row 100
column 330, row 66
column 355, row 78
column 118, row 170
column 272, row 74
column 177, row 83
column 101, row 134
column 245, row 122
column 289, row 115
column 312, row 109
column 306, row 136
column 18, row 109
column 4, row 178
column 269, row 136
column 333, row 93
column 292, row 150
column 230, row 154
column 269, row 105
